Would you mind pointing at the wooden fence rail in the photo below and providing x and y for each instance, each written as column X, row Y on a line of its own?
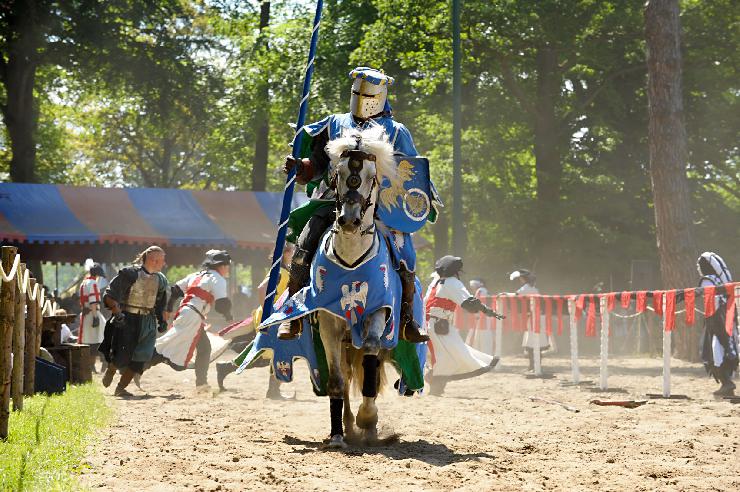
column 22, row 308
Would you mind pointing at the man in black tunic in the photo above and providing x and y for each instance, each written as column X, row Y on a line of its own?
column 137, row 299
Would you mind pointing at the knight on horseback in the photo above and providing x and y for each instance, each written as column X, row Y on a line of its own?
column 369, row 107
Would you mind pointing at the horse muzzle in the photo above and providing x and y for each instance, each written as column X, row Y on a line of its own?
column 350, row 216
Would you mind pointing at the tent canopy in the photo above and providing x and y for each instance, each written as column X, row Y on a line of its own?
column 68, row 224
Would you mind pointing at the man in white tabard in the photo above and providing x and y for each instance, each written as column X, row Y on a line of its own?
column 532, row 341
column 452, row 359
column 200, row 291
column 92, row 321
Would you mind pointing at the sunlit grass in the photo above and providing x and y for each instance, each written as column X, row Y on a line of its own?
column 48, row 439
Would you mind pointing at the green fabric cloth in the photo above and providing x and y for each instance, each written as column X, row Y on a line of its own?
column 243, row 355
column 406, row 359
column 299, row 217
column 147, row 337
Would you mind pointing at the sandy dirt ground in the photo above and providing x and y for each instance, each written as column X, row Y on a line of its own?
column 483, row 434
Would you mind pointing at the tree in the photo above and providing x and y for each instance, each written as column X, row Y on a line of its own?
column 668, row 156
column 87, row 37
column 262, row 114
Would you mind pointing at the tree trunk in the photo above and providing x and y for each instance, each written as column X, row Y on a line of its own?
column 24, row 38
column 262, row 114
column 547, row 151
column 441, row 235
column 668, row 156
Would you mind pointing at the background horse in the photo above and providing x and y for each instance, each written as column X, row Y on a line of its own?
column 360, row 163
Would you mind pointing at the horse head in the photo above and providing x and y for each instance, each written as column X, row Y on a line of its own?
column 361, row 161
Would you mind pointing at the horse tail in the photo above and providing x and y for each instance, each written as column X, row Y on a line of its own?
column 357, row 374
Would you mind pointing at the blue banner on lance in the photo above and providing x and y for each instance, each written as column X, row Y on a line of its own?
column 406, row 206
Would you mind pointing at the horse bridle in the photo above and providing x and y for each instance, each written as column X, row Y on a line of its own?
column 354, row 181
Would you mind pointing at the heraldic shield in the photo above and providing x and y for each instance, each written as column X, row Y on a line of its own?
column 406, row 207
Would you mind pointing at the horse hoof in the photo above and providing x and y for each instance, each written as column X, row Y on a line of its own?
column 367, row 418
column 370, row 436
column 337, row 442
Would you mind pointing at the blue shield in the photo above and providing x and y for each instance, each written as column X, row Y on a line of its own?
column 406, row 205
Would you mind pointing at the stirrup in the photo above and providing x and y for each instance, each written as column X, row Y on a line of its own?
column 290, row 330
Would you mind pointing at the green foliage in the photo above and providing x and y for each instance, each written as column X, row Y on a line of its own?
column 169, row 94
column 49, row 439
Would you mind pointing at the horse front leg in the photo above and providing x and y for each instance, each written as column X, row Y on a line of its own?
column 367, row 414
column 349, row 418
column 331, row 329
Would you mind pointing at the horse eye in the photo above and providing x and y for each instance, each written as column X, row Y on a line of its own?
column 354, row 182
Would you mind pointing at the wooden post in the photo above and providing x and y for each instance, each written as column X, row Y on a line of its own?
column 7, row 312
column 19, row 342
column 29, row 368
column 39, row 323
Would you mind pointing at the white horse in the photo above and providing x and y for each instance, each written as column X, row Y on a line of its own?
column 360, row 163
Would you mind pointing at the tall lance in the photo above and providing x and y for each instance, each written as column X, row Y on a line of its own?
column 290, row 181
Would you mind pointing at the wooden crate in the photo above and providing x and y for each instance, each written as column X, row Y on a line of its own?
column 51, row 329
column 76, row 358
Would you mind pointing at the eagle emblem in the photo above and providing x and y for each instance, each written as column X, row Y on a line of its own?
column 283, row 368
column 354, row 299
column 320, row 278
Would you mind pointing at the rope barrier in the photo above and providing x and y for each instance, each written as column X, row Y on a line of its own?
column 36, row 293
column 7, row 277
column 635, row 315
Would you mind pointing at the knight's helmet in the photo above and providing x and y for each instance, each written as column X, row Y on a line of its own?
column 369, row 92
column 448, row 266
column 216, row 257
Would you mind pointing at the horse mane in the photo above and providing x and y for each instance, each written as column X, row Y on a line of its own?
column 373, row 140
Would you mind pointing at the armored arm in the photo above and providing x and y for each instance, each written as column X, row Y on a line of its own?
column 474, row 305
column 175, row 294
column 313, row 167
column 223, row 306
column 160, row 306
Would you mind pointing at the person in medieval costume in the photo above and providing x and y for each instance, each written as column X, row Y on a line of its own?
column 531, row 341
column 200, row 292
column 480, row 335
column 452, row 358
column 242, row 334
column 92, row 321
column 137, row 298
column 719, row 350
column 369, row 107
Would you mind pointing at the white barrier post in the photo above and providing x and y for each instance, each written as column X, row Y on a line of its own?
column 737, row 303
column 575, row 370
column 536, row 339
column 604, row 369
column 666, row 354
column 499, row 327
